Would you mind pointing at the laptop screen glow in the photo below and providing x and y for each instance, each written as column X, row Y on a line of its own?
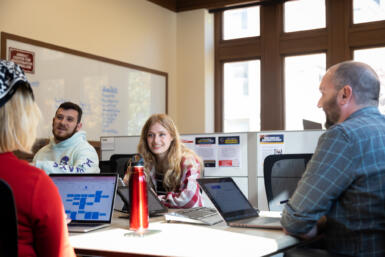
column 87, row 198
column 227, row 196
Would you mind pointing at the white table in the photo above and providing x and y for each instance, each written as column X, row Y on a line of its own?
column 177, row 239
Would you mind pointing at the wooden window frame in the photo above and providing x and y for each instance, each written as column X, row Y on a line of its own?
column 338, row 40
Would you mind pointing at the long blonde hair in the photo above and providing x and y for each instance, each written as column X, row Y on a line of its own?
column 19, row 118
column 176, row 151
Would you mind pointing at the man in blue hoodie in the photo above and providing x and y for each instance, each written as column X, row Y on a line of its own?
column 68, row 150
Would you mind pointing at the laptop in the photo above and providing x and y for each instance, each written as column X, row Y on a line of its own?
column 308, row 124
column 155, row 207
column 88, row 199
column 195, row 215
column 233, row 206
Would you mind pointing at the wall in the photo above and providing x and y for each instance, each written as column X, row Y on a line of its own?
column 195, row 71
column 133, row 31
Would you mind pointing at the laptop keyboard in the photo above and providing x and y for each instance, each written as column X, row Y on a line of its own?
column 201, row 215
column 198, row 212
column 83, row 224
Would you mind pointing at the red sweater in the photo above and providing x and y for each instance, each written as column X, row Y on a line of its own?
column 40, row 213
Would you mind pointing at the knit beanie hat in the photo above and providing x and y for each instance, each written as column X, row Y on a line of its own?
column 10, row 77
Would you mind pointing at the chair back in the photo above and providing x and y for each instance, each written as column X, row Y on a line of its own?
column 281, row 174
column 120, row 162
column 8, row 221
column 105, row 167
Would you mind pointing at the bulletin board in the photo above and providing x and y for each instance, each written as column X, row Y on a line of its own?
column 116, row 97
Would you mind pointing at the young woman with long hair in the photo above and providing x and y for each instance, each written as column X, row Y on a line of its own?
column 172, row 167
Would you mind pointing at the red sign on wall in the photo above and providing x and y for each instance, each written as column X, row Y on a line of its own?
column 25, row 59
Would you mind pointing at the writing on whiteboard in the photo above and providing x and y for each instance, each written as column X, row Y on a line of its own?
column 110, row 108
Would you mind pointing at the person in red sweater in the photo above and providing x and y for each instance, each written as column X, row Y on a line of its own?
column 42, row 228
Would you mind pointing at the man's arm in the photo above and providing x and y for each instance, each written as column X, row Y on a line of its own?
column 313, row 232
column 326, row 177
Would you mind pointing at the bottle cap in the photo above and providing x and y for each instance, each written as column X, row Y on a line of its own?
column 138, row 162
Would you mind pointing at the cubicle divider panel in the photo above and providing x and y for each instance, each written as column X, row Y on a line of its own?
column 118, row 145
column 236, row 155
column 278, row 142
column 223, row 155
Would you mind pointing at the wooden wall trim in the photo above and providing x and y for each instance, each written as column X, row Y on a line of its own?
column 306, row 45
column 168, row 4
column 272, row 98
column 240, row 52
column 186, row 5
column 338, row 20
column 218, row 75
column 373, row 37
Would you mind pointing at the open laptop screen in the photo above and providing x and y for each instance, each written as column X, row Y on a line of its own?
column 227, row 198
column 87, row 197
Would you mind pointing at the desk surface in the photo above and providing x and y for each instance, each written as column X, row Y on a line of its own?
column 177, row 239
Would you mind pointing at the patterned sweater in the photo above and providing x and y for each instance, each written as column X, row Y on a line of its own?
column 188, row 194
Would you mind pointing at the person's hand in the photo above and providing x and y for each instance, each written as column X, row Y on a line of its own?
column 68, row 220
column 126, row 177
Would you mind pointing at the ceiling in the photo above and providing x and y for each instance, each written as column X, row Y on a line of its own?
column 186, row 5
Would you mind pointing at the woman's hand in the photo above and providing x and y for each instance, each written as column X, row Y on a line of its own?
column 126, row 177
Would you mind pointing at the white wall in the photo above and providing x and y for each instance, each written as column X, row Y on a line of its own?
column 195, row 71
column 134, row 31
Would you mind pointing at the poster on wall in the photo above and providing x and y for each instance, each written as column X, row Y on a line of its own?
column 229, row 151
column 25, row 59
column 206, row 148
column 270, row 144
column 188, row 141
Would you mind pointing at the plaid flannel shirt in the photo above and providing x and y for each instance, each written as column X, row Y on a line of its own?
column 345, row 180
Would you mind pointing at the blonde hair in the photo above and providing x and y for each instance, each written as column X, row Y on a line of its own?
column 19, row 118
column 176, row 151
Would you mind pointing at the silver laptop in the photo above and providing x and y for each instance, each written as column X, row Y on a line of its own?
column 197, row 215
column 233, row 206
column 88, row 199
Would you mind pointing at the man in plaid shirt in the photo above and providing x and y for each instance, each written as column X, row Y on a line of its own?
column 344, row 182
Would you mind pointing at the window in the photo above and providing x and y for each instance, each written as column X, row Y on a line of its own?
column 368, row 10
column 303, row 75
column 304, row 15
column 241, row 23
column 291, row 64
column 374, row 57
column 242, row 96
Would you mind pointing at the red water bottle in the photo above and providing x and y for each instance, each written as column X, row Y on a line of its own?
column 138, row 199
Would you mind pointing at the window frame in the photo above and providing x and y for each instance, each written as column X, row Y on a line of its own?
column 338, row 40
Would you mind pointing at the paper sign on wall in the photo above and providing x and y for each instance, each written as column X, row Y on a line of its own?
column 270, row 144
column 229, row 151
column 206, row 148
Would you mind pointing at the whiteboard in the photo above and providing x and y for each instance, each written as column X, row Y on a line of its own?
column 116, row 98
